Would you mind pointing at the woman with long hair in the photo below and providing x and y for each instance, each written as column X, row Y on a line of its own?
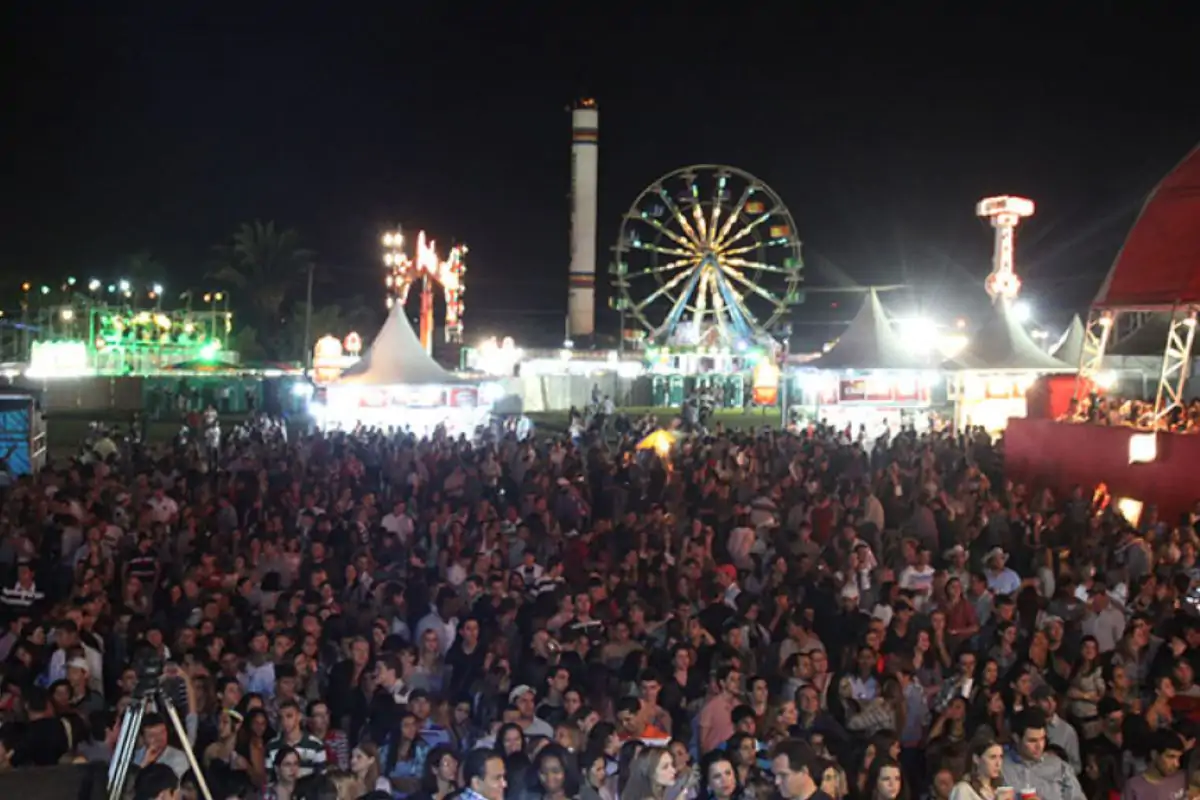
column 439, row 777
column 987, row 674
column 718, row 777
column 785, row 716
column 861, row 769
column 989, row 709
column 252, row 741
column 653, row 772
column 927, row 666
column 1021, row 683
column 404, row 756
column 345, row 784
column 430, row 669
column 511, row 742
column 987, row 759
column 833, row 779
column 550, row 778
column 1004, row 651
column 365, row 767
column 1086, row 685
column 287, row 773
column 687, row 778
column 604, row 740
column 886, row 781
column 595, row 782
column 224, row 749
column 743, row 752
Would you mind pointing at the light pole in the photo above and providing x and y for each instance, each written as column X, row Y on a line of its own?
column 308, row 342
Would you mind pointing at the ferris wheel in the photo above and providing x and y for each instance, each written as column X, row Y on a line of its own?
column 707, row 254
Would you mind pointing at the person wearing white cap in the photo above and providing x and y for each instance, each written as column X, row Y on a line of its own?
column 83, row 698
column 524, row 699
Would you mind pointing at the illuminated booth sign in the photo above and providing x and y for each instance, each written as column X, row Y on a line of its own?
column 900, row 391
column 419, row 397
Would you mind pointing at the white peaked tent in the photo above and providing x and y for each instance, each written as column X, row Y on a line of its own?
column 869, row 343
column 396, row 358
column 397, row 384
column 1070, row 347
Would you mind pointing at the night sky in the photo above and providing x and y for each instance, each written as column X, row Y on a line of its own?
column 162, row 128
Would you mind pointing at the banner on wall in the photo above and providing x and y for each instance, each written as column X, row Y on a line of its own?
column 878, row 391
column 419, row 397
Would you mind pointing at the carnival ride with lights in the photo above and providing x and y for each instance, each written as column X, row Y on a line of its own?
column 993, row 375
column 707, row 258
column 118, row 329
column 396, row 383
column 427, row 267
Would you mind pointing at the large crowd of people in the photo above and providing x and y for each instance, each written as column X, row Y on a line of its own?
column 809, row 615
column 1118, row 411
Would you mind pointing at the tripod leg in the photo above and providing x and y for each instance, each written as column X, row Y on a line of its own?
column 118, row 768
column 165, row 703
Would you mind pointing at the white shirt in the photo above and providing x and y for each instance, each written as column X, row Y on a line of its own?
column 162, row 508
column 399, row 524
column 918, row 580
column 741, row 540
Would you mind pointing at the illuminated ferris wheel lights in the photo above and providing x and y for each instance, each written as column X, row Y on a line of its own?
column 732, row 267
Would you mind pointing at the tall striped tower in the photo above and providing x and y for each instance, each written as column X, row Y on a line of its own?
column 585, row 156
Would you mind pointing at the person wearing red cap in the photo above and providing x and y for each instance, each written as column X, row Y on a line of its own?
column 727, row 581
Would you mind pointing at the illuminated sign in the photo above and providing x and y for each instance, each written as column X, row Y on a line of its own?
column 766, row 383
column 880, row 390
column 58, row 360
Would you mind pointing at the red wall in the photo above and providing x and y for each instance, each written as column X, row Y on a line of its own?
column 1050, row 396
column 1059, row 455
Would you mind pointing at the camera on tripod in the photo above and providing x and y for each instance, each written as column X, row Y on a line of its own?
column 148, row 665
column 148, row 692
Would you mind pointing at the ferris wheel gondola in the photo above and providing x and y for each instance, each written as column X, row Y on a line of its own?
column 708, row 254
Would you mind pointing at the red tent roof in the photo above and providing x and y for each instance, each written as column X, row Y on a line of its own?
column 1159, row 265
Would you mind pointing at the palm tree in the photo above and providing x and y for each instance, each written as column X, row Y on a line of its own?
column 264, row 264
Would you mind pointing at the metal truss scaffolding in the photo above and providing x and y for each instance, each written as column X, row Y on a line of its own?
column 1177, row 359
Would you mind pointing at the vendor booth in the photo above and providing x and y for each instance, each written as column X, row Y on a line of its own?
column 868, row 378
column 396, row 384
column 996, row 370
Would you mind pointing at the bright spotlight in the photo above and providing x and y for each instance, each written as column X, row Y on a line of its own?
column 1022, row 311
column 918, row 335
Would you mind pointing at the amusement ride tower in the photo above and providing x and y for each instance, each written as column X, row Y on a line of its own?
column 1005, row 213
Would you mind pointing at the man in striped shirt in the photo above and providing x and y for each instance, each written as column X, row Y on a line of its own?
column 24, row 594
column 313, row 755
